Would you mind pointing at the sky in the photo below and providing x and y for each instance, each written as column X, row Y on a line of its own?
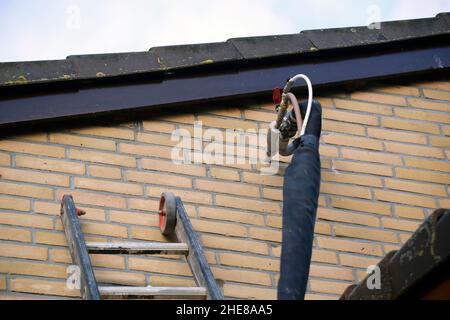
column 55, row 29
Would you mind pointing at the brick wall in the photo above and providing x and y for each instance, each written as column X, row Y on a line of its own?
column 385, row 161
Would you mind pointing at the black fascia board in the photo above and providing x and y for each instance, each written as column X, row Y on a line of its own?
column 30, row 105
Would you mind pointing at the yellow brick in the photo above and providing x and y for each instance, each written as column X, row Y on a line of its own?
column 379, row 98
column 414, row 150
column 258, row 116
column 109, row 132
column 147, row 234
column 422, row 115
column 405, row 198
column 360, row 205
column 224, row 174
column 226, row 112
column 14, row 204
column 275, row 181
column 105, row 172
column 328, row 286
column 102, row 157
column 410, row 125
column 168, row 166
column 53, row 209
column 363, row 106
column 104, row 229
column 223, row 123
column 84, row 142
column 402, row 225
column 32, row 148
column 247, row 204
column 348, row 217
column 171, row 281
column 409, row 212
column 229, row 188
column 347, row 116
column 350, row 246
column 243, row 276
column 186, row 195
column 14, row 234
column 26, row 190
column 43, row 287
column 396, row 135
column 424, row 188
column 360, row 167
column 251, row 262
column 358, row 261
column 325, row 151
column 94, row 199
column 231, row 215
column 50, row 238
column 108, row 186
column 273, row 194
column 444, row 203
column 5, row 159
column 120, row 278
column 352, row 178
column 2, row 283
column 33, row 269
column 437, row 95
column 440, row 85
column 34, row 177
column 342, row 127
column 401, row 90
column 234, row 244
column 320, row 297
column 365, row 233
column 228, row 229
column 50, row 165
column 144, row 205
column 369, row 156
column 429, row 105
column 421, row 175
column 147, row 150
column 351, row 141
column 440, row 142
column 246, row 292
column 324, row 256
column 161, row 179
column 145, row 219
column 158, row 126
column 26, row 220
column 265, row 234
column 160, row 139
column 23, row 252
column 345, row 190
column 159, row 266
column 36, row 137
column 328, row 272
column 427, row 164
column 179, row 117
column 98, row 260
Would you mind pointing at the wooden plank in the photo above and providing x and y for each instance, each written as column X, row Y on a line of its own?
column 78, row 249
column 196, row 257
column 149, row 292
column 133, row 248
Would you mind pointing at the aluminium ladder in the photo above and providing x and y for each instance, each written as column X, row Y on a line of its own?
column 174, row 221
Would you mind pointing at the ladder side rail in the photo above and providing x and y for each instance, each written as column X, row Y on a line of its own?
column 78, row 250
column 196, row 257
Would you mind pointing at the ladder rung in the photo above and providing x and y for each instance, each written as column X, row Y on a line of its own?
column 137, row 248
column 142, row 292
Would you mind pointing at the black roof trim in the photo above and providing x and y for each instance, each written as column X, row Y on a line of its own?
column 169, row 59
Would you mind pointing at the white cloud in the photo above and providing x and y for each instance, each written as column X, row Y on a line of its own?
column 37, row 29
